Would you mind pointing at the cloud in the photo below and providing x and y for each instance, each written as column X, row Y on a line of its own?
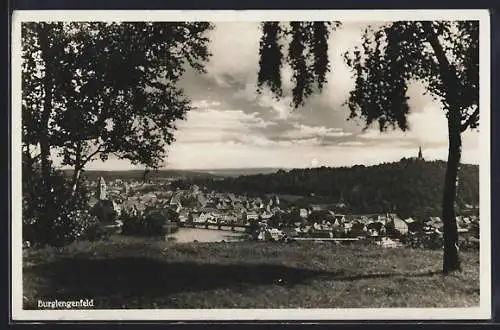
column 302, row 131
column 235, row 52
column 211, row 125
column 312, row 141
column 427, row 127
column 377, row 135
column 235, row 62
column 282, row 107
column 340, row 78
column 233, row 126
column 235, row 49
column 234, row 65
column 284, row 154
column 200, row 104
column 288, row 154
column 351, row 143
column 255, row 140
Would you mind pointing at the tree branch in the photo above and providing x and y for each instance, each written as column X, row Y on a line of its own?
column 85, row 160
column 472, row 118
column 448, row 74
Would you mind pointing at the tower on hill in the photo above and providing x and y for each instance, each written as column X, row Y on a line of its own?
column 420, row 156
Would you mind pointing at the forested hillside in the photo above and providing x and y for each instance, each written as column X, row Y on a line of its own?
column 408, row 187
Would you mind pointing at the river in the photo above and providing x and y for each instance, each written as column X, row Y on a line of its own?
column 186, row 235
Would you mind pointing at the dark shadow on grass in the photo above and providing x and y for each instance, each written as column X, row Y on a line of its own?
column 139, row 281
column 121, row 279
column 386, row 275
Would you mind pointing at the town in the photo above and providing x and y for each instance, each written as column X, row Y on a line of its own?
column 267, row 218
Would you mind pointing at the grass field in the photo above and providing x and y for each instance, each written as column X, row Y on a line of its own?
column 137, row 273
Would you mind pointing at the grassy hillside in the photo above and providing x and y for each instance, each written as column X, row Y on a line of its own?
column 135, row 273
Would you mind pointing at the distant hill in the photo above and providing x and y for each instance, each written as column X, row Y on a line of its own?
column 140, row 175
column 408, row 187
column 240, row 171
column 174, row 173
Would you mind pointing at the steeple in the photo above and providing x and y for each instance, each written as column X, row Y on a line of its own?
column 420, row 157
column 102, row 189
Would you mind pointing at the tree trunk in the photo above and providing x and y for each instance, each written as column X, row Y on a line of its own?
column 77, row 171
column 451, row 259
column 45, row 160
column 44, row 31
column 27, row 173
column 27, row 165
column 43, row 36
column 75, row 180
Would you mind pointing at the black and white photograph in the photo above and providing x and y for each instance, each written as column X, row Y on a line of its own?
column 250, row 165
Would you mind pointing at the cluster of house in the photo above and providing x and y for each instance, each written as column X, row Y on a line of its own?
column 195, row 206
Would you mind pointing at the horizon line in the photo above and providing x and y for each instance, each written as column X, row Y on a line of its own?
column 255, row 168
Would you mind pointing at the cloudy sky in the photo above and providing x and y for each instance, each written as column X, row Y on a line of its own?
column 233, row 127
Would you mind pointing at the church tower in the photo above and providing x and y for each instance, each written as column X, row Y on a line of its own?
column 102, row 193
column 420, row 156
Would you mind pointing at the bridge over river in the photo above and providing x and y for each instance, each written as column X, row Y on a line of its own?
column 233, row 228
column 202, row 232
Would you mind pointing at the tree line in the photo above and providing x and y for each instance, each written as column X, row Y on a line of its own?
column 410, row 188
